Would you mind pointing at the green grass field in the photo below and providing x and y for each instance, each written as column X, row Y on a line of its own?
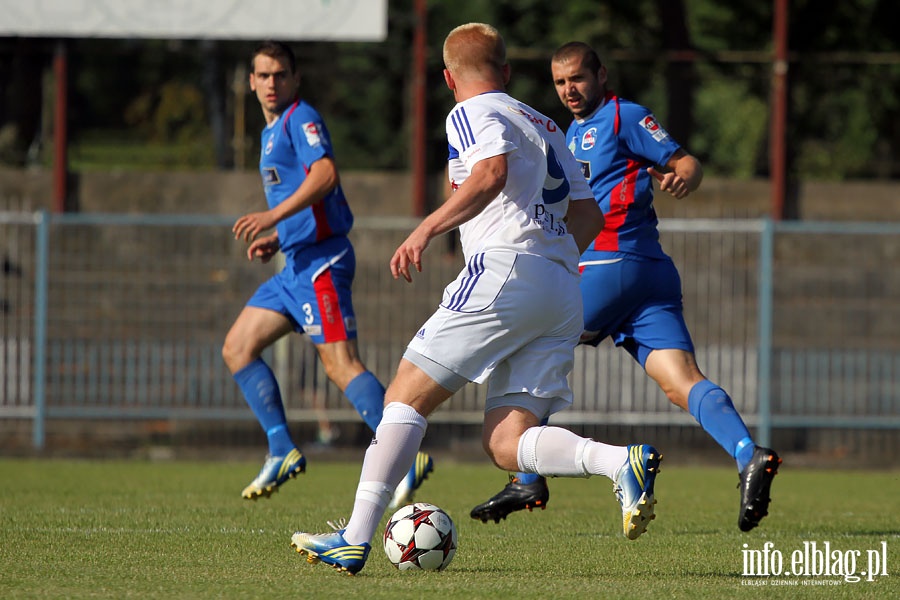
column 79, row 529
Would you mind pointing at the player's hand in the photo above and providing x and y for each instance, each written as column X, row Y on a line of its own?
column 670, row 182
column 263, row 249
column 409, row 253
column 249, row 226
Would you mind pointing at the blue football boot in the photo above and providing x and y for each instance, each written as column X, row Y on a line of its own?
column 634, row 489
column 275, row 471
column 331, row 549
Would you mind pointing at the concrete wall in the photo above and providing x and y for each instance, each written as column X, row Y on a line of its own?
column 390, row 194
column 210, row 192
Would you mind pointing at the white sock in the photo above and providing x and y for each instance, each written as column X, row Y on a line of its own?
column 557, row 452
column 388, row 459
column 603, row 459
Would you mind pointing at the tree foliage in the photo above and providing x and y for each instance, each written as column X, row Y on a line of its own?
column 703, row 66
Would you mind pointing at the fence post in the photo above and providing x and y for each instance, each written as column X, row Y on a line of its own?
column 41, row 243
column 765, row 300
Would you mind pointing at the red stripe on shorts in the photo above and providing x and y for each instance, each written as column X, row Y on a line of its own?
column 333, row 329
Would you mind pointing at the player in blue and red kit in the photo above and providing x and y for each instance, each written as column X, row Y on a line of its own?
column 311, row 219
column 630, row 287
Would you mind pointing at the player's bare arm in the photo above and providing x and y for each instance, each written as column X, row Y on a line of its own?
column 584, row 220
column 321, row 179
column 486, row 181
column 264, row 248
column 683, row 177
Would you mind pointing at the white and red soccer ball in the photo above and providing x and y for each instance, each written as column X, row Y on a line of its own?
column 420, row 536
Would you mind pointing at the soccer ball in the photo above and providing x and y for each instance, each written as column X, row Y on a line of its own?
column 420, row 536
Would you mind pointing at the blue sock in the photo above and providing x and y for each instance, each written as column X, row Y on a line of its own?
column 260, row 389
column 367, row 396
column 527, row 478
column 712, row 408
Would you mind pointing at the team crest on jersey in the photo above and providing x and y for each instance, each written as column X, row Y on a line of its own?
column 585, row 169
column 589, row 139
column 311, row 130
column 653, row 127
column 270, row 143
column 270, row 176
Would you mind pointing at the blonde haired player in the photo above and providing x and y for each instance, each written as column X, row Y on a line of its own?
column 512, row 317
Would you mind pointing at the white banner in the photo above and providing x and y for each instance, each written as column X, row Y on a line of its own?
column 357, row 20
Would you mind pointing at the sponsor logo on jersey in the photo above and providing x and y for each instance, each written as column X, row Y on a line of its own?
column 311, row 130
column 270, row 176
column 556, row 186
column 547, row 221
column 572, row 145
column 653, row 127
column 421, row 334
column 589, row 139
column 327, row 305
column 550, row 125
column 270, row 143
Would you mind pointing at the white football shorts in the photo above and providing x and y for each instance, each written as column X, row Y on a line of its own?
column 512, row 320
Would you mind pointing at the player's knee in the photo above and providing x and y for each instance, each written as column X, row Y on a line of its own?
column 236, row 354
column 678, row 398
column 503, row 454
column 342, row 372
column 228, row 354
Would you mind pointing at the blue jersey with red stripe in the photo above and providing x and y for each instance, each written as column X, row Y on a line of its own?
column 290, row 145
column 614, row 146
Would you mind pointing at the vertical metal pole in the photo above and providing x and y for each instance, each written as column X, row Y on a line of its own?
column 765, row 301
column 60, row 131
column 778, row 125
column 41, row 252
column 239, row 87
column 419, row 109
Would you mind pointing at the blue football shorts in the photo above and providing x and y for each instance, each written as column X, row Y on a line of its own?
column 637, row 302
column 313, row 291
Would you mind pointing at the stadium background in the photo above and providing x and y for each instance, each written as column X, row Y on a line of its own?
column 113, row 310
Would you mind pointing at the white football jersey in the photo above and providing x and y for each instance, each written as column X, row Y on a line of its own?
column 528, row 215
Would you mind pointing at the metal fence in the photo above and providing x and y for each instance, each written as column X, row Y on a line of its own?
column 122, row 317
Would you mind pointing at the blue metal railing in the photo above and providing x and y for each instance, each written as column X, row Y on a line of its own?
column 117, row 363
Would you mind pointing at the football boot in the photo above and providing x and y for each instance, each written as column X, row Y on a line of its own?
column 331, row 549
column 634, row 489
column 275, row 471
column 755, row 483
column 515, row 496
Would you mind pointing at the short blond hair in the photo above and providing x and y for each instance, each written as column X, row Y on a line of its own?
column 474, row 49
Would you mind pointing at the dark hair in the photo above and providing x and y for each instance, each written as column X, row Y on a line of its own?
column 580, row 50
column 274, row 49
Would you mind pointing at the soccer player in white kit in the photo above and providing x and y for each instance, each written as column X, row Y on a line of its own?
column 513, row 316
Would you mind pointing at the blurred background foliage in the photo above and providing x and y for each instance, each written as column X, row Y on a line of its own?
column 703, row 66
